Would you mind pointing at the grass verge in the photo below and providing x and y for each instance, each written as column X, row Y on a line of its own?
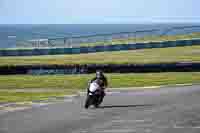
column 70, row 84
column 13, row 96
column 159, row 55
column 145, row 39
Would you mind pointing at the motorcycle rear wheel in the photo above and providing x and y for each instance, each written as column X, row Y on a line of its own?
column 96, row 105
column 98, row 102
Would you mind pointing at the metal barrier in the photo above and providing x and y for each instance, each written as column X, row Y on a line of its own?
column 108, row 68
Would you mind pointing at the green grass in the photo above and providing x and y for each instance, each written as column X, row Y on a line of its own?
column 144, row 39
column 159, row 55
column 70, row 84
column 26, row 96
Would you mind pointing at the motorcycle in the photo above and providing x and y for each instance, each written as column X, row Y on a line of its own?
column 94, row 96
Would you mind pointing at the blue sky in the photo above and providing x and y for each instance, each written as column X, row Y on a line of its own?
column 97, row 11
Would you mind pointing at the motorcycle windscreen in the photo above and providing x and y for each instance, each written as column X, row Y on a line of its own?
column 93, row 87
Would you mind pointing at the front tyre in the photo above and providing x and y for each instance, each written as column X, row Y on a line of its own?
column 87, row 102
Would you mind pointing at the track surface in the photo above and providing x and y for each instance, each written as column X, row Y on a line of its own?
column 166, row 110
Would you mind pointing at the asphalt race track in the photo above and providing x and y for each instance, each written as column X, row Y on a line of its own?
column 166, row 110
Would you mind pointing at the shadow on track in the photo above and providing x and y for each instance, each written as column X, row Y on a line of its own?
column 126, row 106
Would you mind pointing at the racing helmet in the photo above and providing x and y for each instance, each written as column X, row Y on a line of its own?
column 99, row 74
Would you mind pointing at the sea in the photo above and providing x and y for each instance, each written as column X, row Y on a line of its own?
column 10, row 34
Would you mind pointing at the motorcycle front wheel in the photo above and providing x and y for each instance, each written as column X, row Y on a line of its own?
column 87, row 102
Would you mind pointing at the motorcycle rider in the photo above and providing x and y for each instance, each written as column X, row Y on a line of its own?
column 102, row 81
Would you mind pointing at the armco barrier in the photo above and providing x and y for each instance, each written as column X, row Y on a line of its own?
column 78, row 50
column 196, row 42
column 108, row 68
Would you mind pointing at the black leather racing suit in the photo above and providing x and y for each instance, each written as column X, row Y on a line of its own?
column 103, row 84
